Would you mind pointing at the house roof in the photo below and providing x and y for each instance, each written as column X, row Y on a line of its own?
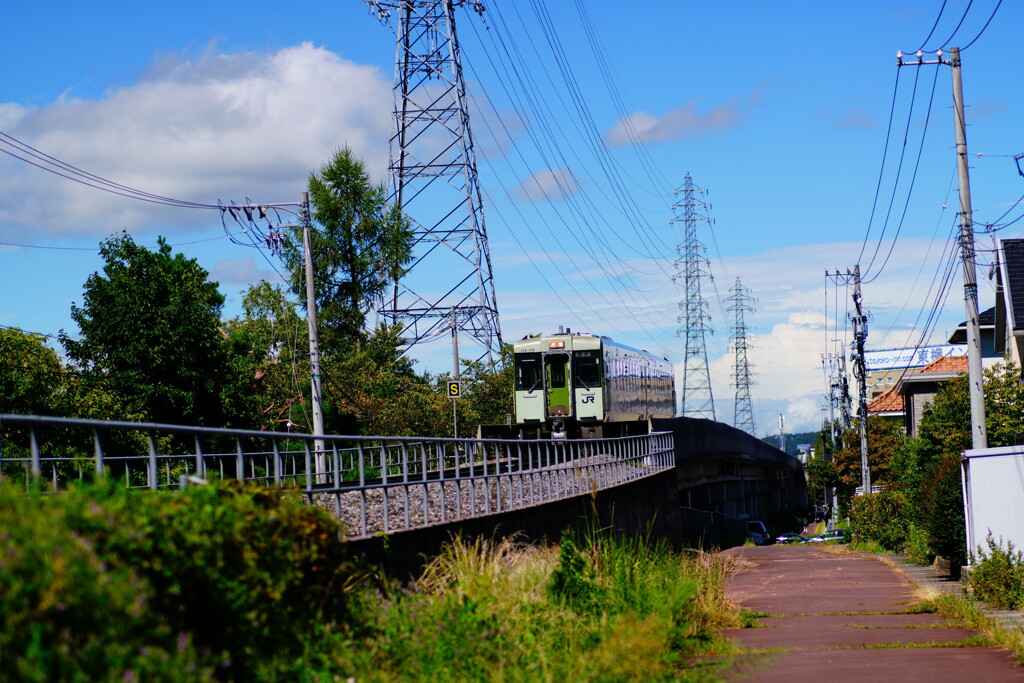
column 986, row 320
column 1013, row 279
column 952, row 364
column 889, row 402
column 939, row 370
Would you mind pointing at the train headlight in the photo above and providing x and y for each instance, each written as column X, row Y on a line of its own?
column 559, row 344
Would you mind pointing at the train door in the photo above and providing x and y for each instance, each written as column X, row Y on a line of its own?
column 556, row 370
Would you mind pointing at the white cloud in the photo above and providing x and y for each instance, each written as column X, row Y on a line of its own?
column 550, row 184
column 681, row 122
column 222, row 126
column 241, row 272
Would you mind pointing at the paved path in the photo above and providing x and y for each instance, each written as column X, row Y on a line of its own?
column 845, row 617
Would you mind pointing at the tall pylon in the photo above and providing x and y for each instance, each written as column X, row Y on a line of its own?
column 434, row 181
column 696, row 399
column 741, row 303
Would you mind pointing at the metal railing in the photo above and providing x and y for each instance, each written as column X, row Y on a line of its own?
column 373, row 484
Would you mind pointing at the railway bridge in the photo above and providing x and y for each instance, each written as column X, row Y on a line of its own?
column 690, row 481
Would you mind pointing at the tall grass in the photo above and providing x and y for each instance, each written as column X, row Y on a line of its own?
column 600, row 609
column 228, row 582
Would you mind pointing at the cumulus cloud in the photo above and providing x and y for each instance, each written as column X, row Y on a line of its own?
column 681, row 122
column 220, row 126
column 550, row 184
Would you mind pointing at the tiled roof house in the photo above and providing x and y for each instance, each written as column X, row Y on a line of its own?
column 919, row 389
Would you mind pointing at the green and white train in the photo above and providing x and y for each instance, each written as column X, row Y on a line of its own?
column 572, row 385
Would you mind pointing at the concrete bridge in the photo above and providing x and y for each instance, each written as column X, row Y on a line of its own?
column 691, row 481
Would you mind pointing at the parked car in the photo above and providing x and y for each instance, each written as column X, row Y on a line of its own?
column 831, row 536
column 790, row 538
column 758, row 533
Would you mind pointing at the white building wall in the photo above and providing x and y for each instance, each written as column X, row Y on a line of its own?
column 994, row 495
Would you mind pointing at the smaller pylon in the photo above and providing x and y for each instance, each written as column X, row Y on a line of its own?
column 741, row 303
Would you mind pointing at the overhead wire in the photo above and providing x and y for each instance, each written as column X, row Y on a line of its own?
column 524, row 92
column 909, row 191
column 899, row 169
column 990, row 18
column 881, row 170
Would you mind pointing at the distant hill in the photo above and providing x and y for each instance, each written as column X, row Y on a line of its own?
column 792, row 440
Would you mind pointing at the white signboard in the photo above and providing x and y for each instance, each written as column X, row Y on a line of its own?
column 892, row 359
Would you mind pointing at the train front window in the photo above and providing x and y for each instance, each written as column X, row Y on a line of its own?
column 528, row 371
column 587, row 369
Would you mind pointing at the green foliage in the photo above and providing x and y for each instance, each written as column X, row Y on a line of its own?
column 944, row 512
column 998, row 576
column 29, row 373
column 572, row 582
column 229, row 579
column 360, row 246
column 270, row 349
column 885, row 440
column 492, row 612
column 149, row 335
column 69, row 613
column 881, row 517
column 918, row 550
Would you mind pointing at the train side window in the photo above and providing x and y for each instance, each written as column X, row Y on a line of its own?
column 587, row 369
column 528, row 371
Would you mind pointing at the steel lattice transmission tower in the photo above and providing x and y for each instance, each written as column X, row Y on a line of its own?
column 434, row 180
column 697, row 399
column 741, row 303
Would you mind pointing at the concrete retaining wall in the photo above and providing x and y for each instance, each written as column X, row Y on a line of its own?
column 645, row 507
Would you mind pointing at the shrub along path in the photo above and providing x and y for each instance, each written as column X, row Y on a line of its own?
column 845, row 617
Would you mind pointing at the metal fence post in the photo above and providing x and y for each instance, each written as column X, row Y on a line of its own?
column 152, row 473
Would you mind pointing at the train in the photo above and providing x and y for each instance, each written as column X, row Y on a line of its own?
column 576, row 385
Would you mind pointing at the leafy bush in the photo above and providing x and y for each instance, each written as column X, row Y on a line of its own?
column 240, row 575
column 918, row 551
column 944, row 513
column 998, row 577
column 572, row 582
column 881, row 517
column 69, row 613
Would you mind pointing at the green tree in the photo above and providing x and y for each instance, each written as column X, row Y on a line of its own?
column 30, row 373
column 150, row 334
column 931, row 466
column 885, row 440
column 270, row 347
column 487, row 392
column 359, row 246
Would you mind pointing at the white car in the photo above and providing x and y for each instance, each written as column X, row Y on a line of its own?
column 832, row 535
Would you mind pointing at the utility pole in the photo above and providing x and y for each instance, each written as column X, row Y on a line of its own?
column 314, row 342
column 457, row 374
column 975, row 375
column 782, row 432
column 697, row 398
column 860, row 335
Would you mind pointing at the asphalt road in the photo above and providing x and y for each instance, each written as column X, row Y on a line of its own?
column 845, row 617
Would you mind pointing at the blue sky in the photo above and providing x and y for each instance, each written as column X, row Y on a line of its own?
column 780, row 110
